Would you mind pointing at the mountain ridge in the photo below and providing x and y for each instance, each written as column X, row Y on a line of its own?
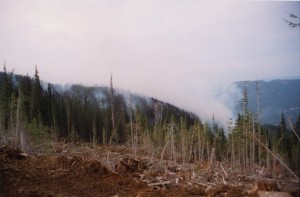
column 275, row 97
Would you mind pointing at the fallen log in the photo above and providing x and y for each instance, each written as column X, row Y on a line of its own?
column 281, row 162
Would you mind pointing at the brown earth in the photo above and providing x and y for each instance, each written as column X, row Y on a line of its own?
column 70, row 174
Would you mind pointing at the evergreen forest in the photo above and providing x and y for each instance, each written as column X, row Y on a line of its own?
column 33, row 112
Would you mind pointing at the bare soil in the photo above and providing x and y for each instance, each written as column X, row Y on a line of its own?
column 85, row 173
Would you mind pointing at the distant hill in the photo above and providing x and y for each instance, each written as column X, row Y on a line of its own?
column 100, row 96
column 276, row 97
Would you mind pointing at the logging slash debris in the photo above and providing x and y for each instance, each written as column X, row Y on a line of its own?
column 113, row 171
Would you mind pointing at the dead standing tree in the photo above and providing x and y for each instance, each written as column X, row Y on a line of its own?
column 113, row 137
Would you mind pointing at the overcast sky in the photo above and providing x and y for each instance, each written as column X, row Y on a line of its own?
column 178, row 51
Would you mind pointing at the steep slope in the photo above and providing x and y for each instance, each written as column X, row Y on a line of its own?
column 77, row 105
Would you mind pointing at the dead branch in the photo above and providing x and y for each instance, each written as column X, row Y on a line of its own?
column 202, row 184
column 224, row 170
column 160, row 183
column 253, row 177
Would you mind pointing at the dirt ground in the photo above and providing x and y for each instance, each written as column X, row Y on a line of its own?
column 63, row 173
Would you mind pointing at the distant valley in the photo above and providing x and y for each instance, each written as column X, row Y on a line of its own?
column 275, row 96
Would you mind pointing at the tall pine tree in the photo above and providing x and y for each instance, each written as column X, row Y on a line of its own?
column 36, row 98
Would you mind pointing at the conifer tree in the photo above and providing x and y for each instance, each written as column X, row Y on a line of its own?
column 25, row 88
column 36, row 97
column 5, row 99
column 296, row 148
column 283, row 143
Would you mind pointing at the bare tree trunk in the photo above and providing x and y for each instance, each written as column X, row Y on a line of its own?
column 173, row 149
column 253, row 146
column 18, row 120
column 94, row 133
column 68, row 124
column 232, row 153
column 104, row 136
column 258, row 120
column 135, row 138
column 208, row 151
column 19, row 130
column 267, row 155
column 113, row 136
column 199, row 146
column 191, row 146
column 246, row 158
column 131, row 121
column 54, row 125
column 240, row 160
column 23, row 141
column 212, row 155
column 259, row 148
column 11, row 119
column 183, row 148
column 202, row 149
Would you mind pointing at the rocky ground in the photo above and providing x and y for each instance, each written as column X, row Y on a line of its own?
column 78, row 170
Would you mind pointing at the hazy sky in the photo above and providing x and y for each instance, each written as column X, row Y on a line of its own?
column 178, row 51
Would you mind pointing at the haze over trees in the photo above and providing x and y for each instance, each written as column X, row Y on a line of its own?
column 32, row 113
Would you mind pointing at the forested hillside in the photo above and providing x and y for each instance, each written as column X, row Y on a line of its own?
column 32, row 114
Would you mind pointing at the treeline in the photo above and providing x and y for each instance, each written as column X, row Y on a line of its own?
column 32, row 113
